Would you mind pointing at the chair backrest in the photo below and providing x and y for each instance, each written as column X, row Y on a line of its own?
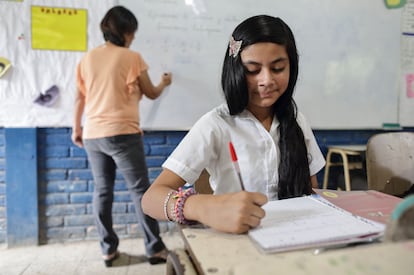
column 390, row 162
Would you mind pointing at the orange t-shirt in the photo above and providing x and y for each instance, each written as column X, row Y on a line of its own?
column 108, row 78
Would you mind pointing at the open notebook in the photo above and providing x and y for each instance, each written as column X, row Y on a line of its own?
column 310, row 222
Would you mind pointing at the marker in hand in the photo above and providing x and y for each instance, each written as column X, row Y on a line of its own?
column 235, row 163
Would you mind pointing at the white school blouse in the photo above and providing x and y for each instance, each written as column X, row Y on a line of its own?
column 206, row 146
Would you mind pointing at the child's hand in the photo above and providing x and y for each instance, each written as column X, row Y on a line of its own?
column 235, row 212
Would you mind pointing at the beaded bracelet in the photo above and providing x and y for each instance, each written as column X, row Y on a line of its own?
column 167, row 198
column 172, row 207
column 182, row 196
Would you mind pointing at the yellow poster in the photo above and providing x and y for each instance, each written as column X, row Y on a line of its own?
column 392, row 4
column 55, row 28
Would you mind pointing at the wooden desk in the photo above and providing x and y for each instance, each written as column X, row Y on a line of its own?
column 344, row 151
column 213, row 252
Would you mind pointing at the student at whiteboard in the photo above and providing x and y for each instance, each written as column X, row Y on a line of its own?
column 277, row 151
column 111, row 80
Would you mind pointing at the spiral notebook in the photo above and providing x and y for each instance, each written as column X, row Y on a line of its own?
column 310, row 222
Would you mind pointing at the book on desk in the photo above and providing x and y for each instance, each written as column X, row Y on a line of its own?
column 370, row 204
column 311, row 222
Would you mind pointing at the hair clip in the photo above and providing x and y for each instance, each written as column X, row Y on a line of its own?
column 234, row 47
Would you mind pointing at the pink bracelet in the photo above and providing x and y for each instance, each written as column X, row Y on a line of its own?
column 182, row 196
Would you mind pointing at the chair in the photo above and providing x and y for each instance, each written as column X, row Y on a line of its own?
column 345, row 151
column 390, row 162
column 179, row 263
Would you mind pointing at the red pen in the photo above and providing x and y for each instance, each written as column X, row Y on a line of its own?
column 235, row 163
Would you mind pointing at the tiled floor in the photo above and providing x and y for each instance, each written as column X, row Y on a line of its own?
column 81, row 258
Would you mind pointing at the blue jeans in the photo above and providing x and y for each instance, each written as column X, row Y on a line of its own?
column 125, row 152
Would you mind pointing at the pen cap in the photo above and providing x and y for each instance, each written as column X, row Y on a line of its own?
column 232, row 152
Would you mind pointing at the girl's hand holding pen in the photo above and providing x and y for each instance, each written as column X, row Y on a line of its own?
column 234, row 212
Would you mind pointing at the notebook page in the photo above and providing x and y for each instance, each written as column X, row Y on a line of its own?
column 305, row 222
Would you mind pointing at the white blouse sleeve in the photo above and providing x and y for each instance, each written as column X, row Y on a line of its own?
column 197, row 149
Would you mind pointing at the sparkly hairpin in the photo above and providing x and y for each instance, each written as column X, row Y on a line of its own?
column 234, row 47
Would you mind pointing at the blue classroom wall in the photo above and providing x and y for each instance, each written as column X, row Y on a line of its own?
column 61, row 184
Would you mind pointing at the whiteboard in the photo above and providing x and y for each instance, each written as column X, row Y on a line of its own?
column 349, row 74
column 349, row 57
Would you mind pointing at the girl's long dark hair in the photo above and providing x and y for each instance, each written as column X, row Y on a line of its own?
column 117, row 22
column 294, row 175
